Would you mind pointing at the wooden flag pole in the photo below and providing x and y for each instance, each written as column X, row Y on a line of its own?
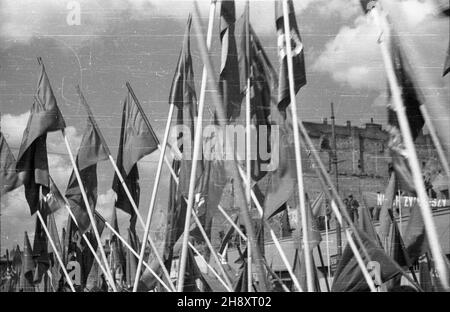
column 227, row 287
column 413, row 160
column 63, row 268
column 356, row 253
column 248, row 142
column 137, row 255
column 234, row 167
column 298, row 156
column 119, row 175
column 195, row 156
column 88, row 243
column 274, row 237
column 166, row 160
column 88, row 209
column 153, row 198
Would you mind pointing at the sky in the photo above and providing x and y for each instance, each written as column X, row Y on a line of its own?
column 139, row 41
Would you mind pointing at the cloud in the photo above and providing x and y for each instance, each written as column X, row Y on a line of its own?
column 352, row 57
column 22, row 20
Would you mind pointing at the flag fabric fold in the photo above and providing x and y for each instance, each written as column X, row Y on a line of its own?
column 91, row 152
column 9, row 179
column 45, row 117
column 298, row 60
column 136, row 141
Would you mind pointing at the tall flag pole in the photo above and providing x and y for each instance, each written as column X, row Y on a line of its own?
column 248, row 145
column 408, row 140
column 32, row 161
column 88, row 156
column 136, row 141
column 196, row 152
column 119, row 175
column 298, row 157
column 234, row 166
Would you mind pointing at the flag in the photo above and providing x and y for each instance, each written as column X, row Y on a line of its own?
column 170, row 227
column 132, row 260
column 117, row 256
column 349, row 277
column 300, row 271
column 9, row 179
column 55, row 267
column 282, row 180
column 40, row 251
column 411, row 101
column 298, row 60
column 385, row 216
column 136, row 141
column 416, row 242
column 91, row 152
column 397, row 247
column 53, row 199
column 263, row 85
column 229, row 68
column 27, row 263
column 447, row 62
column 183, row 96
column 45, row 116
column 194, row 280
column 285, row 225
column 367, row 5
column 366, row 225
column 425, row 274
column 228, row 235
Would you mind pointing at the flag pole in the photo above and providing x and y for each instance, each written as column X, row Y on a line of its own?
column 116, row 169
column 248, row 145
column 166, row 160
column 274, row 237
column 153, row 198
column 227, row 287
column 88, row 243
column 234, row 167
column 352, row 244
column 63, row 268
column 413, row 160
column 195, row 156
column 137, row 255
column 298, row 157
column 88, row 208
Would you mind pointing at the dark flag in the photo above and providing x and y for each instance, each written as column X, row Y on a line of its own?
column 27, row 264
column 45, row 116
column 194, row 280
column 349, row 277
column 416, row 242
column 366, row 224
column 132, row 260
column 9, row 179
column 183, row 96
column 367, row 5
column 91, row 152
column 263, row 85
column 397, row 248
column 228, row 235
column 136, row 141
column 53, row 199
column 41, row 254
column 411, row 101
column 300, row 271
column 298, row 60
column 229, row 69
column 386, row 208
column 55, row 267
column 285, row 225
column 425, row 274
column 117, row 256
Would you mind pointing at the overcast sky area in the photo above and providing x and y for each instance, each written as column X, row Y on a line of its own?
column 139, row 41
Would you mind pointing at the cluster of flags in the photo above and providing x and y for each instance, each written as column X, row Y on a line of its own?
column 243, row 59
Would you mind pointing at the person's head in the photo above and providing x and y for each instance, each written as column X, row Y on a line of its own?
column 345, row 200
column 350, row 196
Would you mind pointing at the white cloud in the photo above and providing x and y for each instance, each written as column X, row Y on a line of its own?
column 352, row 57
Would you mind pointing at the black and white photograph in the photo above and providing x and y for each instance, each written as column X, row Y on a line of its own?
column 224, row 146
